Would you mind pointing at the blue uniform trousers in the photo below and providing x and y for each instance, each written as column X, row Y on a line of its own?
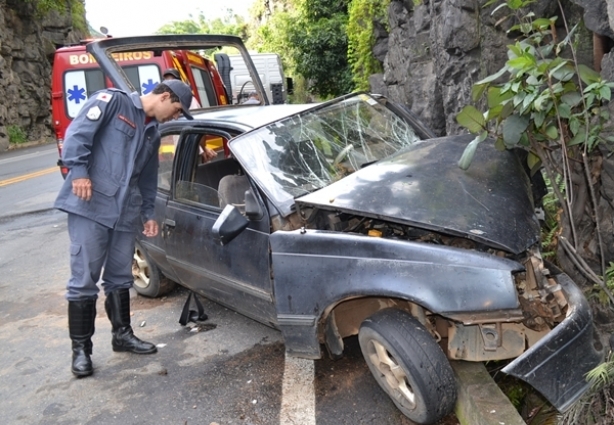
column 93, row 246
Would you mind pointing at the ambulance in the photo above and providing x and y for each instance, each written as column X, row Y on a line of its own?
column 76, row 76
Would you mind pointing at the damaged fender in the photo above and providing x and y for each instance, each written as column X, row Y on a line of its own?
column 316, row 269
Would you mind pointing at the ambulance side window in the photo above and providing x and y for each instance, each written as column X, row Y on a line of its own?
column 204, row 86
column 79, row 85
column 143, row 77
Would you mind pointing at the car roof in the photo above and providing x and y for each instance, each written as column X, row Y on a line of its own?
column 246, row 117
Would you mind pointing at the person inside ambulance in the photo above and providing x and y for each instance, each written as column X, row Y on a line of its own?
column 206, row 154
column 253, row 99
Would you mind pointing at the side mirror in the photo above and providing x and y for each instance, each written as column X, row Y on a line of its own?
column 252, row 206
column 229, row 225
column 289, row 85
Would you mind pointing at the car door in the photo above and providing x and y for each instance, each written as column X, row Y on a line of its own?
column 156, row 246
column 236, row 275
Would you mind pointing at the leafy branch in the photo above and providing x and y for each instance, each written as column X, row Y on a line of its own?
column 547, row 103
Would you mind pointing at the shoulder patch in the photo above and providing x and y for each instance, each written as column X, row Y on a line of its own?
column 94, row 113
column 105, row 97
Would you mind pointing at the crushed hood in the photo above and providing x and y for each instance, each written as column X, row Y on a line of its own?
column 423, row 186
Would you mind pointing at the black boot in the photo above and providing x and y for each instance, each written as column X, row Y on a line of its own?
column 117, row 305
column 81, row 317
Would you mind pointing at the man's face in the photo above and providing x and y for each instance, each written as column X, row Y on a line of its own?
column 167, row 110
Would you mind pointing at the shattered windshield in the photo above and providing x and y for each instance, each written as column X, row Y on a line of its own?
column 306, row 152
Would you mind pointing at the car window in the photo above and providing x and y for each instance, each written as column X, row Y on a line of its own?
column 204, row 86
column 201, row 183
column 311, row 150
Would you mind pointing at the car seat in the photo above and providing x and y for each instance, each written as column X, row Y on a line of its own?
column 232, row 190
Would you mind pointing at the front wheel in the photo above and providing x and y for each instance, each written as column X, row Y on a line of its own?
column 148, row 279
column 408, row 365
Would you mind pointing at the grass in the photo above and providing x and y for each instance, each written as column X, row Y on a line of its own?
column 16, row 134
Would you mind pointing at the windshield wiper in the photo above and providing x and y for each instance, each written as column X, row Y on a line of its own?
column 366, row 164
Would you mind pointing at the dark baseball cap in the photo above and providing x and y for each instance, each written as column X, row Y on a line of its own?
column 184, row 93
column 173, row 72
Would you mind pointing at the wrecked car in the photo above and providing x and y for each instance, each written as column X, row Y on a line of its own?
column 349, row 218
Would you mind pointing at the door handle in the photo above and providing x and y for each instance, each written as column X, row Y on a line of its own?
column 168, row 222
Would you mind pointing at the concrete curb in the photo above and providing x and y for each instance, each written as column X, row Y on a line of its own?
column 480, row 401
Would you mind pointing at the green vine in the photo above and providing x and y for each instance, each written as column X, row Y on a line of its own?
column 362, row 14
column 77, row 11
column 551, row 227
column 76, row 8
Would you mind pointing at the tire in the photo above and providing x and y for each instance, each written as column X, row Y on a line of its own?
column 408, row 365
column 148, row 279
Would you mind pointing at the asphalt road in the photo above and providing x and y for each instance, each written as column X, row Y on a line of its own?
column 230, row 370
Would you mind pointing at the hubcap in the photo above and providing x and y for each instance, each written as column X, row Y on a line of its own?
column 140, row 269
column 392, row 374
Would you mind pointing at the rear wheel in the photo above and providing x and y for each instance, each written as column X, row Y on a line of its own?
column 148, row 279
column 409, row 365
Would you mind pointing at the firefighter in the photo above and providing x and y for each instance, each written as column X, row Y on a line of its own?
column 111, row 151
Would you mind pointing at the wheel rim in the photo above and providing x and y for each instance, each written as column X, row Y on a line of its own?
column 391, row 374
column 140, row 269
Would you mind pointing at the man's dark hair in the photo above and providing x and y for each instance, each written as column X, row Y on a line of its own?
column 163, row 88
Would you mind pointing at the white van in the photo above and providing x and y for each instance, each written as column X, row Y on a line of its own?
column 271, row 74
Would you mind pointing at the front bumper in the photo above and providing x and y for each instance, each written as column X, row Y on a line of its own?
column 556, row 366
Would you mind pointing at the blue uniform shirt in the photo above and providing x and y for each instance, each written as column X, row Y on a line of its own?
column 109, row 143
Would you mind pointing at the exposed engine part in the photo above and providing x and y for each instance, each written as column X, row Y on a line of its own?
column 485, row 342
column 341, row 222
column 491, row 336
column 291, row 222
column 542, row 300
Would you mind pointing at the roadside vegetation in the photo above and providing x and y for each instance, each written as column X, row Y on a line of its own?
column 16, row 135
column 76, row 9
column 312, row 38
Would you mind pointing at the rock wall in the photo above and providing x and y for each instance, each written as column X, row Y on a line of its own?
column 436, row 51
column 27, row 43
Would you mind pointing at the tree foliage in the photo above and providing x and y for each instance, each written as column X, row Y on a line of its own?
column 271, row 36
column 547, row 102
column 320, row 46
column 310, row 37
column 230, row 24
column 361, row 35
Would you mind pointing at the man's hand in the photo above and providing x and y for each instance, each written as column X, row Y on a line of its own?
column 82, row 188
column 208, row 154
column 151, row 228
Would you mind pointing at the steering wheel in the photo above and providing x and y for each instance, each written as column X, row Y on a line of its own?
column 240, row 95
